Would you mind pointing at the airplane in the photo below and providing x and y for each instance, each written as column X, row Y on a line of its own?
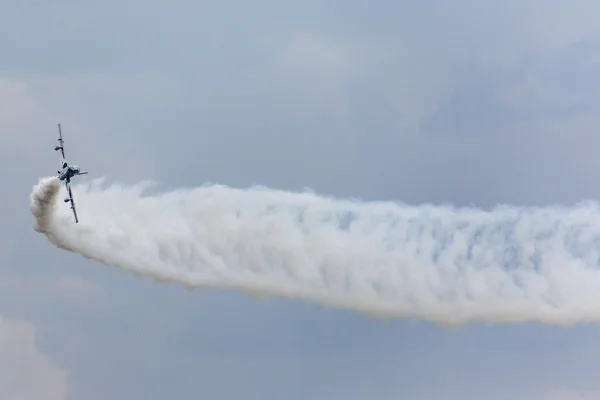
column 67, row 172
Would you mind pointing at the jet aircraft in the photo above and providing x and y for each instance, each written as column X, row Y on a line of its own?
column 67, row 172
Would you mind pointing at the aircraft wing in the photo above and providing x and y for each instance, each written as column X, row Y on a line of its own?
column 68, row 185
column 63, row 159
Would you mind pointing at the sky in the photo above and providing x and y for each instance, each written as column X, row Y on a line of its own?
column 465, row 103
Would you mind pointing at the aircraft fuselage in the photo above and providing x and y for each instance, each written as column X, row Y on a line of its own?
column 67, row 173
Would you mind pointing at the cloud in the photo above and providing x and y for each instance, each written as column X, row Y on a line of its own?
column 338, row 96
column 316, row 56
column 26, row 373
column 22, row 116
column 564, row 393
column 317, row 71
column 74, row 288
column 32, row 106
column 69, row 289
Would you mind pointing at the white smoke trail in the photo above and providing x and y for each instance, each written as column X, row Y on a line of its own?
column 386, row 260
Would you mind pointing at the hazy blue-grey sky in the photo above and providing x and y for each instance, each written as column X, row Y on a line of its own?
column 433, row 101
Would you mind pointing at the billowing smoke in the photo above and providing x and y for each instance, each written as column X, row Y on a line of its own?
column 386, row 260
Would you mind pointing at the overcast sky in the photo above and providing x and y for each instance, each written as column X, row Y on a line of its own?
column 463, row 102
